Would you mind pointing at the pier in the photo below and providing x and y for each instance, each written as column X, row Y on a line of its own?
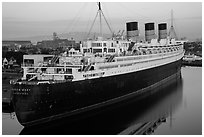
column 143, row 128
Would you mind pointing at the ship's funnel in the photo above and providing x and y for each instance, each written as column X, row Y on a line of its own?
column 149, row 32
column 162, row 31
column 132, row 31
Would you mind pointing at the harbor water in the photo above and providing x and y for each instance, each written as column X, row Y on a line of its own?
column 175, row 109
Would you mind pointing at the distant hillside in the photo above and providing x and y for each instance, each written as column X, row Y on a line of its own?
column 78, row 36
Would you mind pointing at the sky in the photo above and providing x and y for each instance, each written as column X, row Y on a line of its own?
column 21, row 19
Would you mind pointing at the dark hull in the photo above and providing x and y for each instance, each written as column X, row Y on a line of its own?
column 47, row 102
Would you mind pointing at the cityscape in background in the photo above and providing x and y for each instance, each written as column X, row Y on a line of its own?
column 13, row 50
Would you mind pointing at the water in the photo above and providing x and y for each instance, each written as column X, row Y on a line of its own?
column 179, row 104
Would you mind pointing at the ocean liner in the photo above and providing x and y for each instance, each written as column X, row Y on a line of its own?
column 104, row 72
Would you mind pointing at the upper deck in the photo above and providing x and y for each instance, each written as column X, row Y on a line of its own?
column 73, row 64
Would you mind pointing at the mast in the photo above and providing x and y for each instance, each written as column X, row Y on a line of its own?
column 172, row 33
column 100, row 12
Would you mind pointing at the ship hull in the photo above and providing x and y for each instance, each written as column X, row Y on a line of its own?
column 46, row 102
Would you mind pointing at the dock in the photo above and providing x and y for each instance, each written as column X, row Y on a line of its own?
column 145, row 128
column 192, row 60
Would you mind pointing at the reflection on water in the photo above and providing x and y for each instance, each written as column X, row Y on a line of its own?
column 157, row 107
column 167, row 111
column 187, row 120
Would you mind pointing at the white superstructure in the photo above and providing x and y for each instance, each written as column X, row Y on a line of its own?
column 124, row 59
column 105, row 47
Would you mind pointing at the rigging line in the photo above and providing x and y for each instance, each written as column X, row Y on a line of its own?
column 78, row 17
column 107, row 23
column 70, row 26
column 92, row 24
column 100, row 12
column 175, row 28
column 107, row 15
column 88, row 22
column 173, row 25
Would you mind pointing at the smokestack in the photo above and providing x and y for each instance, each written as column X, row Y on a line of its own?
column 149, row 32
column 162, row 31
column 132, row 31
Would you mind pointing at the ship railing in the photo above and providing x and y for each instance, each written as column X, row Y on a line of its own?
column 145, row 58
column 49, row 74
column 32, row 65
column 160, row 52
column 39, row 82
column 54, row 70
column 67, row 77
column 57, row 74
column 68, row 66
